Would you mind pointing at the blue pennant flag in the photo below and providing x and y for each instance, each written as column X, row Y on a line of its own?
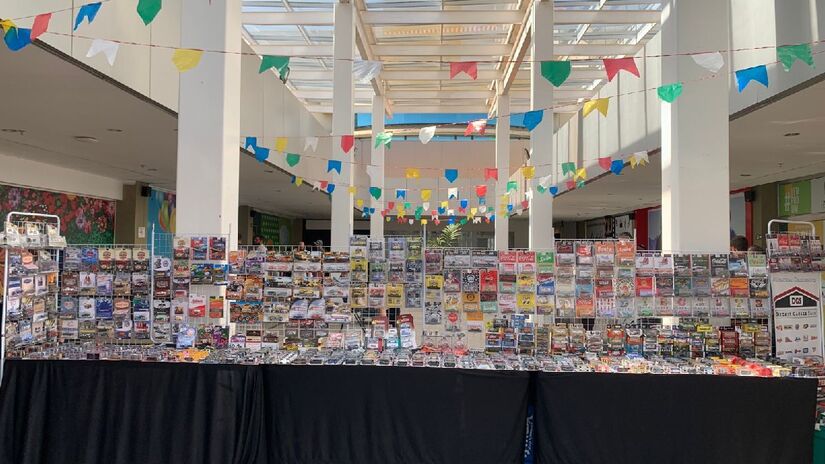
column 330, row 188
column 261, row 154
column 17, row 38
column 442, row 210
column 616, row 167
column 756, row 73
column 400, row 193
column 510, row 207
column 492, row 218
column 451, row 220
column 250, row 142
column 334, row 165
column 464, row 202
column 553, row 190
column 451, row 175
column 482, row 201
column 88, row 12
column 533, row 119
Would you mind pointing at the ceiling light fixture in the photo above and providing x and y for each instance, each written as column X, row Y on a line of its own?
column 85, row 139
column 791, row 134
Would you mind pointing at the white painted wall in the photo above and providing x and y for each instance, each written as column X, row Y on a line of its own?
column 26, row 173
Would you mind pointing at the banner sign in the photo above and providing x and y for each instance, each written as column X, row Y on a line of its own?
column 797, row 313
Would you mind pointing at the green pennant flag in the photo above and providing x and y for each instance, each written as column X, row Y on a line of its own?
column 148, row 9
column 292, row 159
column 384, row 138
column 556, row 71
column 512, row 185
column 407, row 205
column 463, row 221
column 375, row 192
column 669, row 93
column 418, row 212
column 568, row 168
column 279, row 63
column 579, row 184
column 540, row 189
column 790, row 53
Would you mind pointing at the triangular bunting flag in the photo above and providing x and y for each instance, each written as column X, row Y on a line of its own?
column 463, row 203
column 613, row 65
column 568, row 168
column 490, row 173
column 109, row 49
column 528, row 171
column 311, row 142
column 579, row 184
column 334, row 165
column 540, row 188
column 788, row 54
column 426, row 194
column 17, row 38
column 669, row 93
column 556, row 71
column 533, row 119
column 468, row 67
column 323, row 184
column 352, row 189
column 581, row 173
column 261, row 154
column 512, row 185
column 571, row 184
column 712, row 61
column 451, row 175
column 553, row 190
column 638, row 159
column 186, row 58
column 604, row 162
column 330, row 188
column 384, row 138
column 364, row 71
column 600, row 104
column 278, row 63
column 616, row 167
column 426, row 134
column 40, row 25
column 280, row 144
column 375, row 192
column 400, row 193
column 756, row 73
column 298, row 181
column 481, row 190
column 6, row 24
column 292, row 159
column 250, row 142
column 359, row 203
column 148, row 9
column 87, row 12
column 412, row 173
column 479, row 127
column 452, row 192
column 544, row 181
column 347, row 141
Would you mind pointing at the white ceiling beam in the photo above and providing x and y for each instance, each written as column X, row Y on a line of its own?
column 363, row 94
column 595, row 50
column 291, row 18
column 607, row 16
column 326, row 94
column 443, row 17
column 441, row 50
column 517, row 54
column 362, row 42
column 294, row 50
column 432, row 75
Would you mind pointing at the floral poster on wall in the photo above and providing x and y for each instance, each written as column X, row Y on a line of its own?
column 82, row 219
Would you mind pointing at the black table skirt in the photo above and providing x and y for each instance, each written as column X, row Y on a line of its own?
column 80, row 412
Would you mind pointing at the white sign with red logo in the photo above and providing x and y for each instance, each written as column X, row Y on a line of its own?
column 797, row 314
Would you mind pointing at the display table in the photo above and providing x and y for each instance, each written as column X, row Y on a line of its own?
column 129, row 412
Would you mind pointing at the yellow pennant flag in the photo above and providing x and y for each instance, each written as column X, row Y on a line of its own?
column 7, row 24
column 426, row 194
column 299, row 181
column 360, row 203
column 423, row 222
column 638, row 159
column 412, row 173
column 280, row 144
column 352, row 189
column 445, row 204
column 581, row 173
column 600, row 104
column 528, row 171
column 473, row 211
column 186, row 58
column 400, row 208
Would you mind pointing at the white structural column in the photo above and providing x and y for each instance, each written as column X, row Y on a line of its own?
column 209, row 121
column 541, row 138
column 502, row 224
column 342, row 122
column 695, row 172
column 376, row 168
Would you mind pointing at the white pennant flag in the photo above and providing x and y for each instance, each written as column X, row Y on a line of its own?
column 482, row 209
column 450, row 212
column 544, row 181
column 452, row 192
column 712, row 61
column 476, row 220
column 108, row 48
column 365, row 71
column 426, row 134
column 311, row 142
column 528, row 195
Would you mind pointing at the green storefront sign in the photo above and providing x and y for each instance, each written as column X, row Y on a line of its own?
column 794, row 198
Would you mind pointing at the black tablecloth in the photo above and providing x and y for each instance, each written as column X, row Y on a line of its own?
column 80, row 412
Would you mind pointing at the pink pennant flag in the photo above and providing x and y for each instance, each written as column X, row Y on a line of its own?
column 525, row 204
column 324, row 184
column 479, row 127
column 390, row 204
column 41, row 24
column 571, row 185
column 604, row 162
column 490, row 173
column 481, row 190
column 469, row 67
column 613, row 65
column 347, row 141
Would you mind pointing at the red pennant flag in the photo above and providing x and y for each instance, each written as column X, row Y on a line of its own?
column 390, row 204
column 604, row 162
column 437, row 222
column 324, row 184
column 525, row 204
column 469, row 67
column 490, row 173
column 384, row 213
column 571, row 185
column 481, row 190
column 41, row 23
column 347, row 141
column 462, row 210
column 479, row 126
column 613, row 66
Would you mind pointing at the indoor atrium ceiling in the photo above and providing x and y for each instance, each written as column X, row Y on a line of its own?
column 417, row 39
